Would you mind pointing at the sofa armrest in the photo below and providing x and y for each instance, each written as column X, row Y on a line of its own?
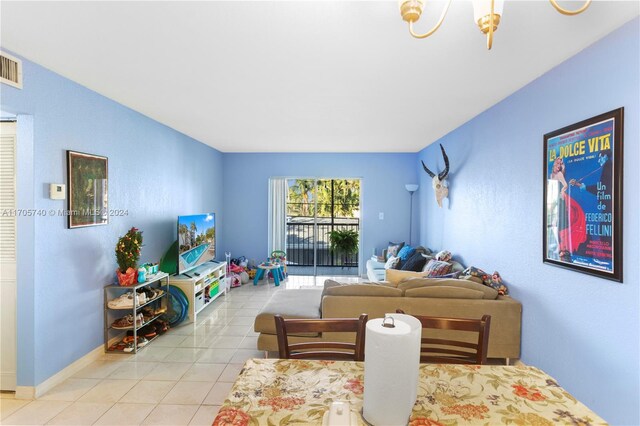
column 375, row 270
column 506, row 318
column 374, row 264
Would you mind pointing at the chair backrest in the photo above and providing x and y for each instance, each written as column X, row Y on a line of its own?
column 321, row 349
column 447, row 351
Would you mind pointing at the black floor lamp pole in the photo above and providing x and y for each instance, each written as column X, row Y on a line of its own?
column 411, row 188
column 410, row 217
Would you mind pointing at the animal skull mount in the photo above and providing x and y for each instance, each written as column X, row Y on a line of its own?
column 439, row 181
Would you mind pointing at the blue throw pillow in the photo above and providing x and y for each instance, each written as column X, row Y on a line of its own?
column 406, row 252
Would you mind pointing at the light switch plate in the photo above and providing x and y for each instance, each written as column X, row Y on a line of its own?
column 57, row 191
column 381, row 216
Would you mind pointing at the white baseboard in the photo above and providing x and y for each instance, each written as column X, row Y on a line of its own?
column 25, row 392
column 8, row 380
column 32, row 392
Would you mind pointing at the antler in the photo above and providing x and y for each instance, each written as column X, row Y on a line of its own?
column 429, row 172
column 443, row 174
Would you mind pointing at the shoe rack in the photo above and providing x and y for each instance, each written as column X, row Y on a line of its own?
column 112, row 336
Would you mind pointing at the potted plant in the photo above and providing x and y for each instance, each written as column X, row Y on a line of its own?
column 127, row 255
column 344, row 242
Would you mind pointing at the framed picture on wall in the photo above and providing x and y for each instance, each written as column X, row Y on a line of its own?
column 87, row 193
column 582, row 205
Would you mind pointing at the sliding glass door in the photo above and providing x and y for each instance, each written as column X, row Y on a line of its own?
column 317, row 210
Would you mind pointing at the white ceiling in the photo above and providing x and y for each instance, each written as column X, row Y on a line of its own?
column 315, row 76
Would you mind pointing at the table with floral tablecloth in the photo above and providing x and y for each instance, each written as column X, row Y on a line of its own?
column 281, row 392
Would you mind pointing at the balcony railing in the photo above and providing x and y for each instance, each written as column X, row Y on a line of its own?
column 301, row 238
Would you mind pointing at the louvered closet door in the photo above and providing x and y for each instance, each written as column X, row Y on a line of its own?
column 8, row 282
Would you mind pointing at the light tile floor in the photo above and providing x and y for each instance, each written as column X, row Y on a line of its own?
column 181, row 378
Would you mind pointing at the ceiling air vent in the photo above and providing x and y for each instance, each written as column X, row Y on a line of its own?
column 10, row 70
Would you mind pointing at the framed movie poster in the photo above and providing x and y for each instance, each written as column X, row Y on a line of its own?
column 87, row 176
column 582, row 206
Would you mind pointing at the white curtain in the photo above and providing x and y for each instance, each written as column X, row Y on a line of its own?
column 277, row 214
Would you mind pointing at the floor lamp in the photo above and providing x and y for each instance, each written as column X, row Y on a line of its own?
column 411, row 187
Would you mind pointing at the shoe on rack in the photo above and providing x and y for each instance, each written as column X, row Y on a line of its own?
column 151, row 293
column 160, row 310
column 125, row 301
column 161, row 326
column 119, row 346
column 126, row 322
column 151, row 333
column 142, row 341
column 128, row 347
column 148, row 331
column 144, row 291
column 142, row 298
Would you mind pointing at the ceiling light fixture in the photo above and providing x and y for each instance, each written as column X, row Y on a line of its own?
column 486, row 14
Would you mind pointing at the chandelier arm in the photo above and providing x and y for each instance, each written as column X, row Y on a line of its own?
column 435, row 28
column 491, row 22
column 564, row 11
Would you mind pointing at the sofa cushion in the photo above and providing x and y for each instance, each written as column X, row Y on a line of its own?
column 406, row 252
column 394, row 277
column 449, row 275
column 414, row 263
column 444, row 292
column 362, row 290
column 456, row 266
column 427, row 256
column 394, row 248
column 423, row 250
column 392, row 262
column 328, row 284
column 412, row 283
column 443, row 255
column 472, row 279
column 492, row 280
column 437, row 267
column 299, row 303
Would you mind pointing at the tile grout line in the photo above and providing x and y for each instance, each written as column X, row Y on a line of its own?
column 212, row 323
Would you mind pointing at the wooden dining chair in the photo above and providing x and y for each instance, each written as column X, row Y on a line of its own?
column 321, row 349
column 447, row 351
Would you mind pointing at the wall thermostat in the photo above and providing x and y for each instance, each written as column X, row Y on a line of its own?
column 57, row 191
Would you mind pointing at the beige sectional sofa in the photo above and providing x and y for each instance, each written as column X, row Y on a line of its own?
column 414, row 295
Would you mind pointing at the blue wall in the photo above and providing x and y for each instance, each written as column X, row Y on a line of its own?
column 246, row 178
column 582, row 330
column 155, row 173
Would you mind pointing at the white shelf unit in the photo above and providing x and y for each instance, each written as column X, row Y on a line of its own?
column 199, row 285
column 157, row 281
